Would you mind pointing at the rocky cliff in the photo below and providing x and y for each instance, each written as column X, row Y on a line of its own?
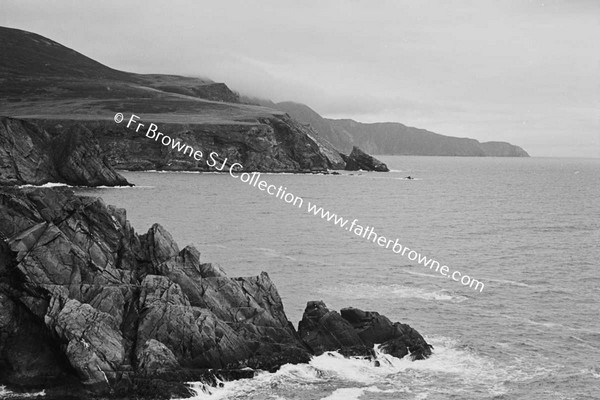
column 29, row 155
column 339, row 139
column 90, row 308
column 274, row 143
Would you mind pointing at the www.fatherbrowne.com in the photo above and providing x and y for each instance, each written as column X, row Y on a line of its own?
column 254, row 179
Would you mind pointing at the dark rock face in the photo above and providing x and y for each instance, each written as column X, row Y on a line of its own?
column 89, row 307
column 276, row 143
column 87, row 303
column 29, row 155
column 354, row 332
column 358, row 159
column 321, row 126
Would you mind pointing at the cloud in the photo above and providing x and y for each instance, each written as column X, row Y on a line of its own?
column 467, row 68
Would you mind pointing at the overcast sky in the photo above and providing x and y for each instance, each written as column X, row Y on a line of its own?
column 526, row 72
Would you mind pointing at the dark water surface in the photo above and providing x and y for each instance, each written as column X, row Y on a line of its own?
column 528, row 228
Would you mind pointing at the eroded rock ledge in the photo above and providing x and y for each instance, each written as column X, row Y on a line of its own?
column 90, row 308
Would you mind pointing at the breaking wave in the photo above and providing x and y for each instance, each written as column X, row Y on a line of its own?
column 331, row 376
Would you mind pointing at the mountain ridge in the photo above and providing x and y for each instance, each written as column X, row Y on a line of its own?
column 395, row 138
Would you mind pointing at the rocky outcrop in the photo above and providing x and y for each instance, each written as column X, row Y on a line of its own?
column 335, row 160
column 359, row 160
column 355, row 332
column 275, row 143
column 324, row 129
column 88, row 304
column 90, row 308
column 29, row 155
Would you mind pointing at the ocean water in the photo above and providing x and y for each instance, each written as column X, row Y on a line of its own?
column 529, row 229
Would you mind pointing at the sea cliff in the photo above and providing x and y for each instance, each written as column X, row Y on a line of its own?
column 271, row 143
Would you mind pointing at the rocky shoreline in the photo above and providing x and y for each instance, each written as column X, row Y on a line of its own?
column 90, row 309
column 87, row 153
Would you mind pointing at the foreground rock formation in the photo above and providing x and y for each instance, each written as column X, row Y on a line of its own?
column 359, row 160
column 90, row 308
column 85, row 299
column 354, row 332
column 29, row 155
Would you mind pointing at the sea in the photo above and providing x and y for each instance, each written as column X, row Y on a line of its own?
column 528, row 228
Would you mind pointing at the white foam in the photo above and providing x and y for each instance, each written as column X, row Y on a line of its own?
column 508, row 282
column 46, row 185
column 450, row 363
column 551, row 325
column 595, row 372
column 435, row 276
column 369, row 291
column 345, row 394
column 154, row 171
column 54, row 184
column 4, row 392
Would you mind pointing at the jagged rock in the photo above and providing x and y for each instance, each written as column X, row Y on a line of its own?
column 354, row 332
column 334, row 158
column 29, row 155
column 118, row 312
column 88, row 304
column 160, row 244
column 23, row 154
column 79, row 162
column 325, row 330
column 94, row 345
column 272, row 142
column 397, row 339
column 358, row 160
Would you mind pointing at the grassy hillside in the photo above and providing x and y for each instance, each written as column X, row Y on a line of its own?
column 56, row 86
